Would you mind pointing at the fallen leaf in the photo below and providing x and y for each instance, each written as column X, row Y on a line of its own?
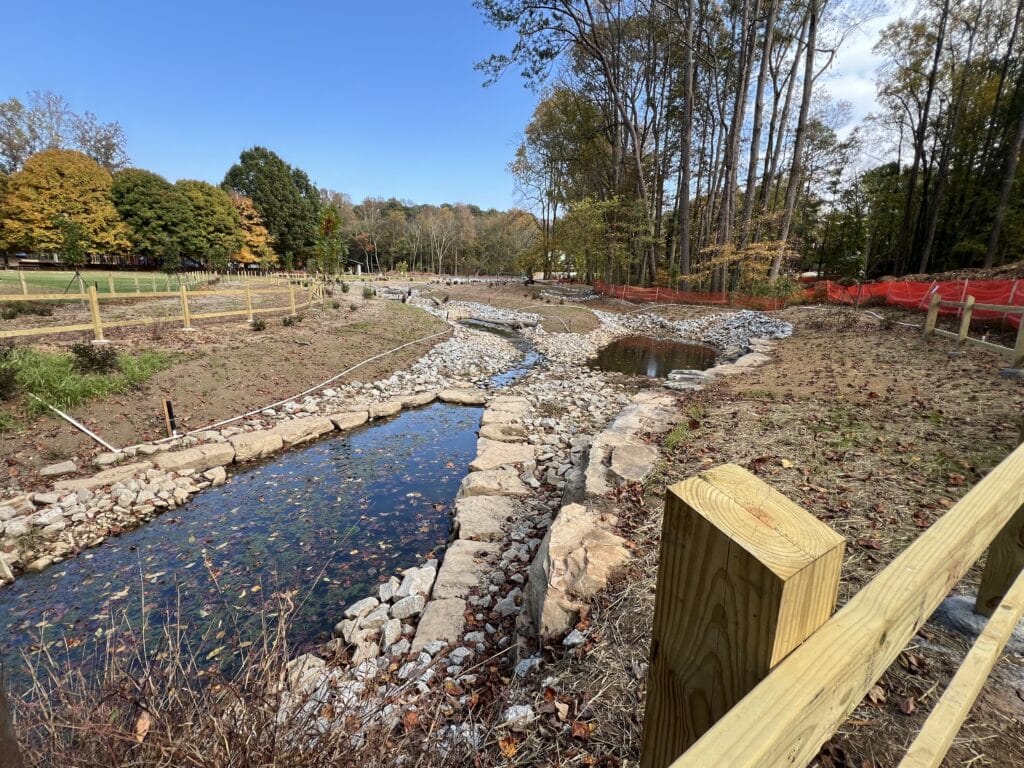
column 908, row 706
column 869, row 543
column 142, row 724
column 876, row 695
column 509, row 746
column 563, row 710
column 580, row 730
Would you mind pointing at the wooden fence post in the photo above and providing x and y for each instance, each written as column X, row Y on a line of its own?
column 933, row 315
column 137, row 288
column 1018, row 348
column 965, row 322
column 152, row 280
column 24, row 285
column 110, row 283
column 94, row 312
column 1004, row 563
column 184, row 309
column 745, row 576
column 248, row 300
column 10, row 755
column 291, row 296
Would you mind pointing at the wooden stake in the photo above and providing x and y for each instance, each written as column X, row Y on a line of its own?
column 137, row 289
column 1005, row 560
column 169, row 421
column 745, row 576
column 291, row 297
column 1018, row 348
column 24, row 285
column 110, row 283
column 186, row 315
column 248, row 300
column 965, row 321
column 933, row 315
column 94, row 311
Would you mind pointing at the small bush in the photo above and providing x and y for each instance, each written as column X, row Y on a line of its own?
column 368, row 292
column 336, row 304
column 353, row 307
column 258, row 324
column 345, row 287
column 289, row 320
column 18, row 308
column 94, row 358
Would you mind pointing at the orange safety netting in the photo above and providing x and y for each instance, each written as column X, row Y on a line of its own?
column 914, row 295
column 670, row 296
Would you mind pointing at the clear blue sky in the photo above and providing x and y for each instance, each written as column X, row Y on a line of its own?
column 369, row 98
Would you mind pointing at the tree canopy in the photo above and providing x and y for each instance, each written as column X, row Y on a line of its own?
column 159, row 216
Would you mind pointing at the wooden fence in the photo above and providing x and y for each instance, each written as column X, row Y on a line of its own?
column 745, row 575
column 311, row 292
column 966, row 311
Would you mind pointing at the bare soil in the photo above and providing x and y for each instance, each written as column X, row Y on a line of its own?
column 875, row 432
column 223, row 369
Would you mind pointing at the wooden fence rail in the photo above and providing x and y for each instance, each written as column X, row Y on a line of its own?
column 802, row 701
column 97, row 324
column 963, row 337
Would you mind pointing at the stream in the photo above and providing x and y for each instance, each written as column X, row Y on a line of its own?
column 323, row 524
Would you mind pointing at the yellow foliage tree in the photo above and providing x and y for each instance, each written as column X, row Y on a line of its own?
column 256, row 248
column 55, row 189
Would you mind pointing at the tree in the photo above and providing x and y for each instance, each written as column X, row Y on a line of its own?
column 57, row 185
column 330, row 242
column 216, row 235
column 158, row 214
column 256, row 247
column 284, row 197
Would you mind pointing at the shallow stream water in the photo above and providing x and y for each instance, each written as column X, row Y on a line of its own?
column 651, row 357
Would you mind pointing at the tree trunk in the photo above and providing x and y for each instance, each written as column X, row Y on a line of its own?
column 1004, row 192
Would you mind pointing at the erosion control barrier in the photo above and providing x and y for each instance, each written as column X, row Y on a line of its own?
column 670, row 296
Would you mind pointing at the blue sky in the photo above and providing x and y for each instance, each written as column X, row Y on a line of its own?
column 370, row 98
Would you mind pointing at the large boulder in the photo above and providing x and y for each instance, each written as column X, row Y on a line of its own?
column 202, row 457
column 506, row 433
column 574, row 562
column 481, row 517
column 106, row 477
column 255, row 445
column 349, row 419
column 632, row 463
column 463, row 396
column 464, row 568
column 492, row 454
column 493, row 482
column 442, row 620
column 298, row 431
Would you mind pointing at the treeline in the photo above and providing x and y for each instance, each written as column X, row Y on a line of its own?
column 61, row 196
column 691, row 143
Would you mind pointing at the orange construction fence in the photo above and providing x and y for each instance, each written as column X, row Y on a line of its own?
column 670, row 296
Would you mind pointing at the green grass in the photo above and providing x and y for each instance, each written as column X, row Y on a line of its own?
column 8, row 423
column 45, row 281
column 52, row 377
column 679, row 435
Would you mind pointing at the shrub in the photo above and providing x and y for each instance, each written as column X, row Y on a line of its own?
column 17, row 308
column 94, row 358
column 368, row 292
column 336, row 304
column 345, row 287
column 289, row 320
column 258, row 324
column 352, row 307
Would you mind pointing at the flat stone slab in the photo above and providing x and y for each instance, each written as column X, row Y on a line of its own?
column 751, row 359
column 499, row 417
column 386, row 408
column 463, row 396
column 300, row 430
column 492, row 454
column 510, row 404
column 442, row 620
column 349, row 419
column 419, row 399
column 481, row 517
column 56, row 470
column 493, row 482
column 106, row 477
column 464, row 568
column 506, row 433
column 255, row 445
column 202, row 457
column 632, row 463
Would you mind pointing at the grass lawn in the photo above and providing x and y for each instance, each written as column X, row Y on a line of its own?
column 46, row 281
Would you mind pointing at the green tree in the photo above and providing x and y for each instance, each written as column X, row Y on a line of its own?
column 216, row 235
column 284, row 197
column 158, row 214
column 58, row 185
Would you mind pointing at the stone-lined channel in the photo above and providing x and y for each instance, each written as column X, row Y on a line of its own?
column 327, row 521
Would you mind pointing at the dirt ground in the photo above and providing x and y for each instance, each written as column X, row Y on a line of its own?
column 223, row 369
column 875, row 432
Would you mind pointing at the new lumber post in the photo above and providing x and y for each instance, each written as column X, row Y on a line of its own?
column 248, row 300
column 291, row 296
column 24, row 285
column 745, row 576
column 965, row 322
column 933, row 315
column 1018, row 348
column 186, row 315
column 94, row 313
column 1004, row 563
column 110, row 283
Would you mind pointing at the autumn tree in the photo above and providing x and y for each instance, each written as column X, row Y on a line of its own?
column 256, row 247
column 60, row 185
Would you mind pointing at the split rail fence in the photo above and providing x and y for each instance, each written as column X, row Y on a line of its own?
column 748, row 670
column 97, row 325
column 967, row 309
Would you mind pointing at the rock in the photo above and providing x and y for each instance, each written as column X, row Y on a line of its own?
column 17, row 527
column 42, row 500
column 574, row 639
column 462, row 570
column 362, row 607
column 106, row 477
column 9, row 513
column 496, row 418
column 255, row 445
column 574, row 561
column 386, row 591
column 506, row 433
column 217, row 476
column 492, row 454
column 298, row 431
column 349, row 419
column 365, row 652
column 390, row 632
column 463, row 396
column 386, row 408
column 407, row 607
column 510, row 404
column 509, row 605
column 442, row 622
column 202, row 457
column 751, row 360
column 481, row 518
column 6, row 576
column 1012, row 373
column 56, row 470
column 632, row 463
column 494, row 482
column 375, row 619
column 39, row 564
column 416, row 581
column 419, row 399
column 956, row 613
column 526, row 666
column 518, row 715
column 108, row 459
column 304, row 672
